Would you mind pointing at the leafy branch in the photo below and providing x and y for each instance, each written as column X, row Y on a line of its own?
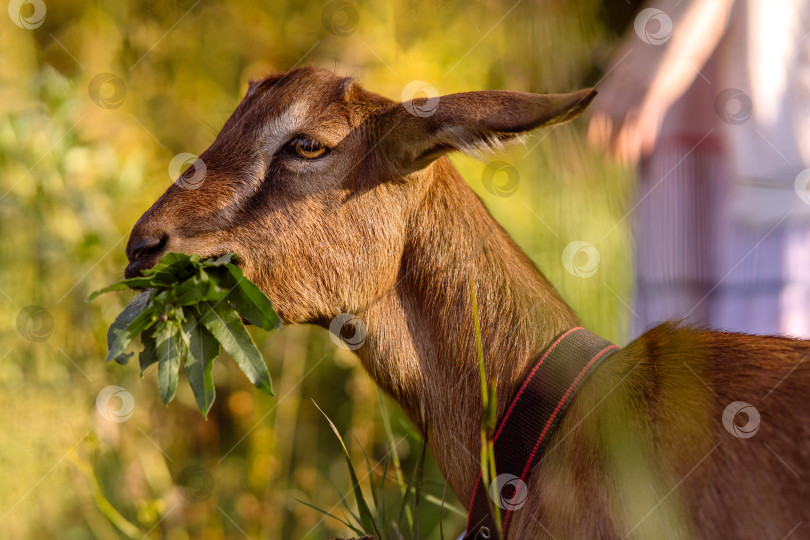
column 191, row 309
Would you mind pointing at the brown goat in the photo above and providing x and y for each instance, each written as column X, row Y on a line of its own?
column 337, row 200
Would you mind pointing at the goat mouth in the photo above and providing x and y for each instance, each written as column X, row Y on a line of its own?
column 135, row 268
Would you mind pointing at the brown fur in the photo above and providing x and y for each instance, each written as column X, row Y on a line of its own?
column 385, row 228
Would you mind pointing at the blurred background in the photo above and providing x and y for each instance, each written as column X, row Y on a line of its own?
column 96, row 99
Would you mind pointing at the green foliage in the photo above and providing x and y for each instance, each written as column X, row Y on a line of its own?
column 191, row 307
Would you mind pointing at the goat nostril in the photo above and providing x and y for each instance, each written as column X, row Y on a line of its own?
column 146, row 247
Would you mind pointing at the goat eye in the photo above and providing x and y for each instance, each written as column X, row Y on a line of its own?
column 307, row 147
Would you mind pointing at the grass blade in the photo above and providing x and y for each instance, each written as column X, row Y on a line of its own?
column 415, row 486
column 324, row 512
column 381, row 507
column 488, row 397
column 432, row 499
column 370, row 475
column 389, row 435
column 345, row 503
column 407, row 496
column 441, row 513
column 369, row 526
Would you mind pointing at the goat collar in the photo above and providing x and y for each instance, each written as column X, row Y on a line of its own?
column 526, row 428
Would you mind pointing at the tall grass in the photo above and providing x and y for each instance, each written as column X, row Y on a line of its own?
column 378, row 516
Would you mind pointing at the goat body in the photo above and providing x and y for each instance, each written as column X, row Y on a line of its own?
column 337, row 200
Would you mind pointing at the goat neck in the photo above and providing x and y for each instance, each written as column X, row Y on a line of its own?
column 421, row 343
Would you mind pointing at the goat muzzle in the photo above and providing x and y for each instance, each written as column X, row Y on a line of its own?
column 143, row 251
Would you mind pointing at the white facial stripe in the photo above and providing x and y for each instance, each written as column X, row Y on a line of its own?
column 275, row 134
column 278, row 131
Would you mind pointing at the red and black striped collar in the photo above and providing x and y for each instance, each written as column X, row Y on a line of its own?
column 527, row 426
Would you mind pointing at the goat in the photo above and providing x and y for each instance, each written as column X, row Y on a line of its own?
column 337, row 200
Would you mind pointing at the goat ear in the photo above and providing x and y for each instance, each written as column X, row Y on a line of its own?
column 414, row 133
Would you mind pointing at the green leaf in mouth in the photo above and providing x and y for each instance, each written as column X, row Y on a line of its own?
column 190, row 312
column 200, row 349
column 228, row 329
column 168, row 347
column 248, row 300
